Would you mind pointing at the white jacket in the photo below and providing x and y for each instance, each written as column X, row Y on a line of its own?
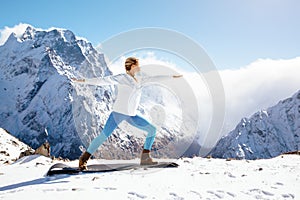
column 129, row 90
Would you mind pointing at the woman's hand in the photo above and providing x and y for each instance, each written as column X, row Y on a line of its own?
column 177, row 76
column 78, row 80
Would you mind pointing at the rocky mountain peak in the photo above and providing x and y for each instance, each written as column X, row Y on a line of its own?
column 28, row 34
column 36, row 91
column 266, row 134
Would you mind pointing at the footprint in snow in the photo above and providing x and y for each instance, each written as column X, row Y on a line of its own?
column 176, row 196
column 258, row 193
column 221, row 194
column 137, row 195
column 288, row 196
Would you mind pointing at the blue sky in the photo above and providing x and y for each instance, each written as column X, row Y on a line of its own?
column 234, row 33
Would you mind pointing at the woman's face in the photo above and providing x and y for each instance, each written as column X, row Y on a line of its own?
column 135, row 68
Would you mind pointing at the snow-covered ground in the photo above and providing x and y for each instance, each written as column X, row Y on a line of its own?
column 196, row 178
column 10, row 147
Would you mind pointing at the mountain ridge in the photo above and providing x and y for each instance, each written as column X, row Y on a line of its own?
column 35, row 75
column 266, row 134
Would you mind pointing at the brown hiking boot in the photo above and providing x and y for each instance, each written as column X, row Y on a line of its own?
column 83, row 160
column 146, row 159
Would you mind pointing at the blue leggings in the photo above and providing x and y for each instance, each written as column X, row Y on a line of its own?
column 112, row 123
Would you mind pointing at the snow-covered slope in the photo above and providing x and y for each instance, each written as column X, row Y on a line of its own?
column 10, row 147
column 197, row 178
column 266, row 134
column 39, row 102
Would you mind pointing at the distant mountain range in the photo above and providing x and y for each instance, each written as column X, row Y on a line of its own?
column 266, row 134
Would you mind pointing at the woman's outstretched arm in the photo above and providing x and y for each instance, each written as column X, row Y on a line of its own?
column 108, row 80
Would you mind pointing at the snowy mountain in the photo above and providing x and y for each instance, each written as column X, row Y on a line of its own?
column 266, row 134
column 10, row 147
column 36, row 93
column 39, row 102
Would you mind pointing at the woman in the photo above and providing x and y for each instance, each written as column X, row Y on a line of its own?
column 124, row 108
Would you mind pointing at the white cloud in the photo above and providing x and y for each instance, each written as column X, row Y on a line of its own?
column 258, row 86
column 17, row 29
